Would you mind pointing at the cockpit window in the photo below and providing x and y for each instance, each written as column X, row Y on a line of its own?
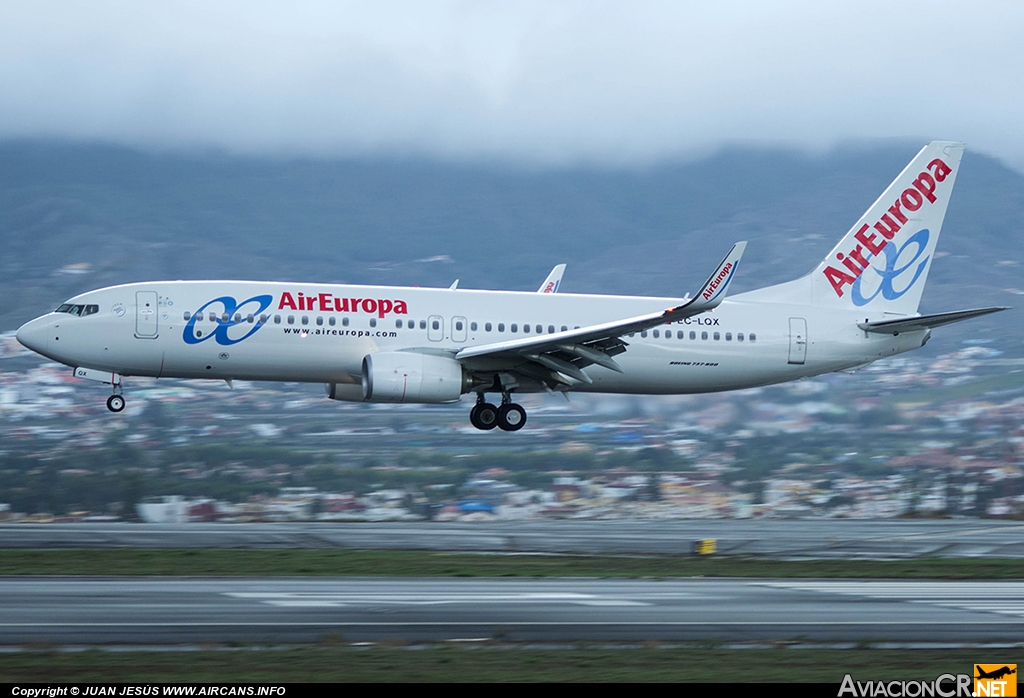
column 72, row 309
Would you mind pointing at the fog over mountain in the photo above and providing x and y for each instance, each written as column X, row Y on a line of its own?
column 75, row 217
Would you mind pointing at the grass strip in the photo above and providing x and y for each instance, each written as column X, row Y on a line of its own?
column 495, row 663
column 415, row 563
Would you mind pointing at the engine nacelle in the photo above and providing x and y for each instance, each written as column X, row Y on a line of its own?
column 400, row 376
column 347, row 392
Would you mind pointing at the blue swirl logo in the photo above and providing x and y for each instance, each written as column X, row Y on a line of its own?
column 231, row 313
column 892, row 272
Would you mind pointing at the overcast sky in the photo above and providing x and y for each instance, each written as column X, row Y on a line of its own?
column 537, row 82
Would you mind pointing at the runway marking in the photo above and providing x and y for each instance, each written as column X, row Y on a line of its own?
column 489, row 623
column 1003, row 598
column 951, row 534
column 335, row 600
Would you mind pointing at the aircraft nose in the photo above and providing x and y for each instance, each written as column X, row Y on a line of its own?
column 35, row 334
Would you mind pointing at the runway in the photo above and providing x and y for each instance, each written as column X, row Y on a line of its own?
column 793, row 538
column 182, row 610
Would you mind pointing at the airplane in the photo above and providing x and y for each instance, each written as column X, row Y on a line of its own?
column 995, row 673
column 392, row 344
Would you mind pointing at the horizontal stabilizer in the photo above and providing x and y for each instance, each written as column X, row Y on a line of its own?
column 922, row 322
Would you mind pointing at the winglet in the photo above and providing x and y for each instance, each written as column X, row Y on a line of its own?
column 713, row 291
column 550, row 284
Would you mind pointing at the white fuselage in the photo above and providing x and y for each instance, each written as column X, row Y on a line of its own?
column 322, row 332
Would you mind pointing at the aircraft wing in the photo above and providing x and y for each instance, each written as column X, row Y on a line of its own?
column 550, row 284
column 568, row 352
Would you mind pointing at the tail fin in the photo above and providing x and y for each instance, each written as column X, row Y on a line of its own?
column 551, row 283
column 882, row 263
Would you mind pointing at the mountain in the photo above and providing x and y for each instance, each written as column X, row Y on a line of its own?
column 79, row 216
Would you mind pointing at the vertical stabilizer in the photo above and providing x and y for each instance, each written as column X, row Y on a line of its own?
column 882, row 263
column 551, row 283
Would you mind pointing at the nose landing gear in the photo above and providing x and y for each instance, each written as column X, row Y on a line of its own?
column 115, row 403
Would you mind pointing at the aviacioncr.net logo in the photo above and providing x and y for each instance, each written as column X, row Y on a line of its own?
column 898, row 262
column 236, row 314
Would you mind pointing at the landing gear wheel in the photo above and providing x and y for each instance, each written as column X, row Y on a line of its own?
column 484, row 416
column 511, row 417
column 115, row 403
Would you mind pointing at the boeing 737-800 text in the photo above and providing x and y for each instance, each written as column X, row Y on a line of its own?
column 400, row 344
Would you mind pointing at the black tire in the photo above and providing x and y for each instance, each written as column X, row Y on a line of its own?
column 115, row 403
column 484, row 416
column 511, row 417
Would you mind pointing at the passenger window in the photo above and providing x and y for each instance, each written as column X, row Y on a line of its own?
column 472, row 327
column 398, row 324
column 249, row 318
column 458, row 325
column 643, row 333
column 514, row 328
column 238, row 317
column 436, row 324
column 680, row 334
column 305, row 319
column 344, row 321
column 332, row 321
column 213, row 317
column 657, row 334
column 703, row 335
column 717, row 336
column 487, row 327
column 540, row 329
column 753, row 337
column 277, row 319
column 264, row 318
column 693, row 335
column 225, row 317
column 501, row 327
column 319, row 320
column 423, row 324
column 291, row 319
column 526, row 329
column 188, row 315
column 373, row 322
column 728, row 336
column 551, row 329
column 564, row 328
column 739, row 336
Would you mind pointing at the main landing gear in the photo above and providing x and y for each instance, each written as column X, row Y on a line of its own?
column 508, row 417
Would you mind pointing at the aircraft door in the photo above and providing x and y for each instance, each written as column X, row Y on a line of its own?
column 797, row 340
column 458, row 329
column 435, row 328
column 146, row 306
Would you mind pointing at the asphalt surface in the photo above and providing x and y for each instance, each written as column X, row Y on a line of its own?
column 793, row 538
column 181, row 610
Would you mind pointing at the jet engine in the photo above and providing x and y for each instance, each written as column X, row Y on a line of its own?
column 412, row 377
